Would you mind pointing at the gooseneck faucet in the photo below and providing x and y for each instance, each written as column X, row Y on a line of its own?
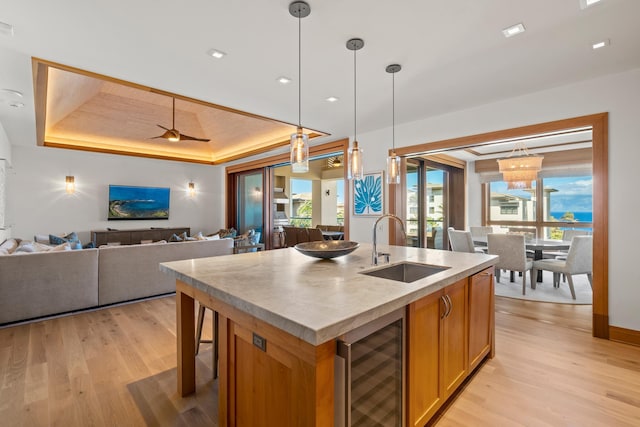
column 375, row 255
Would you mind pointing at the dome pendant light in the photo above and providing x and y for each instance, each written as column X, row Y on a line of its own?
column 299, row 141
column 355, row 166
column 393, row 161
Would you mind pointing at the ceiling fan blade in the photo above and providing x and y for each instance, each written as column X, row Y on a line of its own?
column 184, row 137
column 174, row 134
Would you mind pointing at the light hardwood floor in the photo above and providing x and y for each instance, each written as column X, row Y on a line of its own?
column 116, row 367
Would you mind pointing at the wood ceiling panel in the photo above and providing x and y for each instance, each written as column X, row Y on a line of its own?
column 98, row 113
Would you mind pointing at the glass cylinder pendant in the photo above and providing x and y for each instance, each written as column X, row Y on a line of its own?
column 299, row 152
column 393, row 169
column 355, row 170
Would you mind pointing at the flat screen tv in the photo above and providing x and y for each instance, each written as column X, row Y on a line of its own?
column 127, row 202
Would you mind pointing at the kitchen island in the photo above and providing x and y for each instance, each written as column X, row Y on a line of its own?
column 281, row 314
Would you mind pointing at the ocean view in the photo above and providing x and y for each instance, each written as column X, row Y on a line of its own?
column 580, row 216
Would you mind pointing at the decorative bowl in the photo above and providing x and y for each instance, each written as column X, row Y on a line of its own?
column 327, row 248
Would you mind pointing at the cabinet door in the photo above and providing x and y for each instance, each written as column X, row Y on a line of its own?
column 423, row 354
column 262, row 385
column 481, row 316
column 454, row 360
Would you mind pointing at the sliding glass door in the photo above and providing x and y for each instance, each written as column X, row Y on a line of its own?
column 250, row 202
column 435, row 201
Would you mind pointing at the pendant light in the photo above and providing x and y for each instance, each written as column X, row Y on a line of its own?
column 520, row 167
column 355, row 166
column 299, row 141
column 393, row 161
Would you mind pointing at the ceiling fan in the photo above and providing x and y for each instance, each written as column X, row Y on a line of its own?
column 173, row 134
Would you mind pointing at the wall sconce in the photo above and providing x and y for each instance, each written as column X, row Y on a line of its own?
column 70, row 184
column 192, row 189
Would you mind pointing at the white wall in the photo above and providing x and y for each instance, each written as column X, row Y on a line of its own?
column 329, row 204
column 37, row 201
column 5, row 163
column 619, row 95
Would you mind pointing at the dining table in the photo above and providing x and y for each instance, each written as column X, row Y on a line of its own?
column 538, row 246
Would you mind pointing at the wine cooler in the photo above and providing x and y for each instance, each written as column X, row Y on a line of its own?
column 369, row 374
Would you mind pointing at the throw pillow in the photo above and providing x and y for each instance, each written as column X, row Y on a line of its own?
column 89, row 245
column 3, row 251
column 184, row 236
column 231, row 232
column 25, row 246
column 41, row 238
column 62, row 247
column 175, row 238
column 10, row 245
column 199, row 236
column 41, row 247
column 72, row 237
column 56, row 240
column 213, row 237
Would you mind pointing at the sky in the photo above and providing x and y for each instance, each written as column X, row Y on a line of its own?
column 575, row 194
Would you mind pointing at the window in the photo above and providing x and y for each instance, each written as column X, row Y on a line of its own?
column 301, row 202
column 569, row 201
column 339, row 201
column 509, row 210
column 564, row 200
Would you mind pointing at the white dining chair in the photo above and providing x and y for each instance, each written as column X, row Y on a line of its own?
column 461, row 241
column 579, row 261
column 513, row 256
column 567, row 235
column 480, row 231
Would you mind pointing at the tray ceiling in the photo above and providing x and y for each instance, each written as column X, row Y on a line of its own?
column 91, row 112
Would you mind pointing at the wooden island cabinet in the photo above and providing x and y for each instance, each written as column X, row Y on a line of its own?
column 281, row 315
column 447, row 331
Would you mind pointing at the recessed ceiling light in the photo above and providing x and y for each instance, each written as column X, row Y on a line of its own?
column 284, row 80
column 586, row 3
column 513, row 30
column 332, row 99
column 6, row 29
column 15, row 93
column 601, row 44
column 215, row 53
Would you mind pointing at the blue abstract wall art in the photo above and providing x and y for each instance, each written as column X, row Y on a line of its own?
column 367, row 195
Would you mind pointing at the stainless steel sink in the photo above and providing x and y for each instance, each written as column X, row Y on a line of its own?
column 406, row 272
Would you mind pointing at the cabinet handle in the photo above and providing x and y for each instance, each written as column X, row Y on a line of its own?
column 450, row 305
column 447, row 306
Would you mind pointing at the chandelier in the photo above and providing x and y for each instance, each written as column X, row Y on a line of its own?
column 520, row 167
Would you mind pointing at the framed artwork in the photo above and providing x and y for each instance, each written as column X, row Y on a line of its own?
column 128, row 202
column 367, row 195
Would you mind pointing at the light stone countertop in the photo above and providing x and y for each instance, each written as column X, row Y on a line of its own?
column 316, row 299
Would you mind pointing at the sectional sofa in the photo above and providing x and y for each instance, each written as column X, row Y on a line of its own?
column 43, row 284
